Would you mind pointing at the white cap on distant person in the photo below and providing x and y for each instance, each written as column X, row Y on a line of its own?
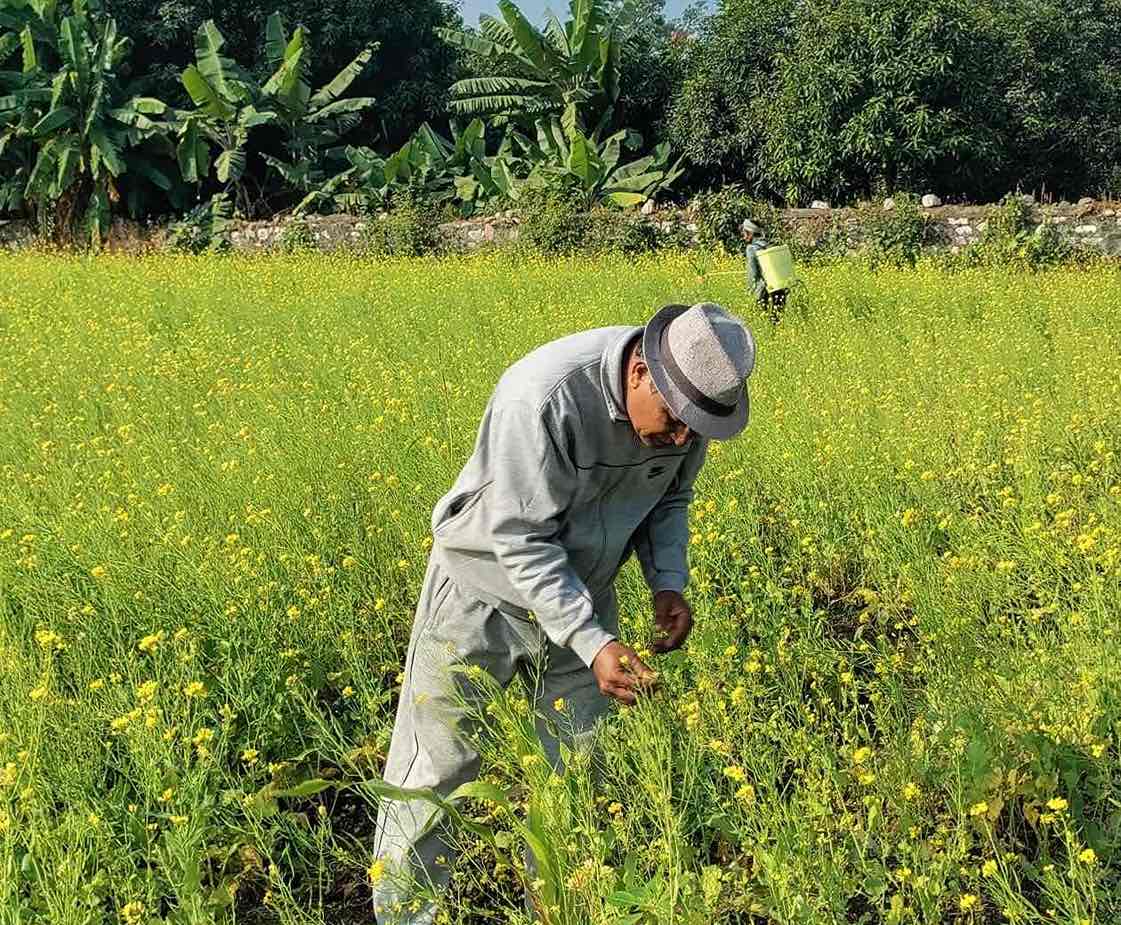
column 749, row 225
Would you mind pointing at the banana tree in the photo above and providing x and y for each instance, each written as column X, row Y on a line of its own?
column 530, row 72
column 428, row 166
column 562, row 156
column 481, row 181
column 86, row 128
column 312, row 122
column 226, row 112
column 17, row 118
column 371, row 182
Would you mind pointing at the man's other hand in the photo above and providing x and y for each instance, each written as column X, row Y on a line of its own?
column 621, row 674
column 674, row 619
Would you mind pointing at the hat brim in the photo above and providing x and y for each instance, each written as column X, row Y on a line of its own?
column 712, row 426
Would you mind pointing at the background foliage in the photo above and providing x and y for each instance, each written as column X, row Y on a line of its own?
column 844, row 100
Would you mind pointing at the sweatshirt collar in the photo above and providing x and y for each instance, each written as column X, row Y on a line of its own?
column 611, row 374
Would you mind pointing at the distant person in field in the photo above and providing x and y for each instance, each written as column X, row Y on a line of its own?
column 587, row 453
column 754, row 241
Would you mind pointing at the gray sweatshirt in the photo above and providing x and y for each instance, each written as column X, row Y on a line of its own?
column 755, row 281
column 560, row 491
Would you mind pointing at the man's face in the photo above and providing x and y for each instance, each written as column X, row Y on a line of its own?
column 651, row 418
column 748, row 236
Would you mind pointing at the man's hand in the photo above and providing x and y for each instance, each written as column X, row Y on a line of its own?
column 621, row 674
column 674, row 619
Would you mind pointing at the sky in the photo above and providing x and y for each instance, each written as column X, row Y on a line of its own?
column 535, row 9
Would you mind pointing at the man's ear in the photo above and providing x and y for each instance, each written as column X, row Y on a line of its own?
column 637, row 372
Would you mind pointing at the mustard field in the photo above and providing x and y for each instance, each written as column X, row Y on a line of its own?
column 901, row 702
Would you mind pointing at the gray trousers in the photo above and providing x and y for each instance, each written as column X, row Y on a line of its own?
column 430, row 747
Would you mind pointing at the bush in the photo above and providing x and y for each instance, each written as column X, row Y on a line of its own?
column 409, row 229
column 1012, row 238
column 720, row 214
column 897, row 237
column 609, row 231
column 552, row 222
column 296, row 236
column 205, row 228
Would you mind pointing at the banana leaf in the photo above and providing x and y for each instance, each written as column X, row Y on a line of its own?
column 274, row 40
column 102, row 143
column 53, row 121
column 342, row 81
column 30, row 58
column 205, row 96
column 230, row 165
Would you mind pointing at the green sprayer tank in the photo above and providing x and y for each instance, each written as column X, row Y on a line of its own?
column 777, row 267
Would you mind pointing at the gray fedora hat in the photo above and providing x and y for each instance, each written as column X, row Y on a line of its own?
column 700, row 358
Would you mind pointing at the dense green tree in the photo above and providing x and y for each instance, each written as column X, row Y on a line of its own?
column 411, row 74
column 717, row 117
column 1061, row 82
column 842, row 98
column 649, row 72
column 880, row 95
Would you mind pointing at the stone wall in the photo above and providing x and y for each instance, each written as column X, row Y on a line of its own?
column 346, row 232
column 1089, row 224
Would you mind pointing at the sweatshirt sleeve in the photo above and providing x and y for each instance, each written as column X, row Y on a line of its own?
column 755, row 281
column 662, row 541
column 534, row 483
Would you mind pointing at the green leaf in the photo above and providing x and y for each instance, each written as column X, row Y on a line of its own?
column 556, row 34
column 501, row 85
column 570, row 121
column 634, row 168
column 128, row 115
column 626, row 200
column 505, row 181
column 102, row 143
column 342, row 81
column 191, row 153
column 497, row 105
column 288, row 83
column 341, row 107
column 53, row 120
column 294, row 174
column 69, row 157
column 230, row 165
column 580, row 15
column 274, row 40
column 154, row 175
column 530, row 47
column 250, row 117
column 72, row 46
column 579, row 159
column 9, row 42
column 306, row 788
column 436, row 148
column 480, row 790
column 204, row 96
column 30, row 58
column 218, row 72
column 468, row 42
column 636, row 184
column 148, row 105
column 466, row 188
column 43, row 172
